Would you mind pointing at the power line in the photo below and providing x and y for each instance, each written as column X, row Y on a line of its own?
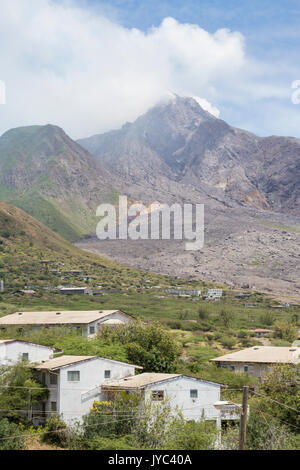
column 64, row 430
column 110, row 390
column 275, row 401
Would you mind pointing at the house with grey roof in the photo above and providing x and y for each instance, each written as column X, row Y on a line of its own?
column 258, row 360
column 84, row 321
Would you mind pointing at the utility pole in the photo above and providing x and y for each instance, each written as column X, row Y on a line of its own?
column 243, row 420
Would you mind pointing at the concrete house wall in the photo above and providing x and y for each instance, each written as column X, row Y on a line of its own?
column 253, row 369
column 178, row 392
column 75, row 399
column 114, row 316
column 12, row 352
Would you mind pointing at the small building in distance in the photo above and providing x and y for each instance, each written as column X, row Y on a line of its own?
column 184, row 292
column 258, row 360
column 261, row 332
column 75, row 291
column 74, row 383
column 13, row 350
column 86, row 322
column 214, row 294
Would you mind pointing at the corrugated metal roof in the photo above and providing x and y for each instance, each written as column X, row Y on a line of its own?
column 7, row 341
column 62, row 361
column 65, row 360
column 141, row 380
column 148, row 378
column 263, row 354
column 58, row 317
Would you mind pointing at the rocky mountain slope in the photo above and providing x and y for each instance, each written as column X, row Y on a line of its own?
column 177, row 152
column 52, row 178
column 178, row 144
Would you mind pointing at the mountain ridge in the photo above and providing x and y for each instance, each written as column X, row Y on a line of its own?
column 50, row 176
column 187, row 145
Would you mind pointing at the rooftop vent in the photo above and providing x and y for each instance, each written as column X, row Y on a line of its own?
column 294, row 349
column 256, row 347
column 20, row 313
column 58, row 313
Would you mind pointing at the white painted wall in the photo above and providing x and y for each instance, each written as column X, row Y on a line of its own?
column 75, row 399
column 114, row 316
column 178, row 392
column 254, row 369
column 10, row 353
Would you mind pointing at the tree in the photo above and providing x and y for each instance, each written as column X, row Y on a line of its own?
column 150, row 346
column 279, row 395
column 192, row 435
column 203, row 313
column 19, row 390
column 267, row 318
column 115, row 417
column 11, row 437
column 286, row 331
column 265, row 433
column 226, row 317
column 155, row 427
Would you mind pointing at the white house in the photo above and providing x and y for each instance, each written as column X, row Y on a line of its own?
column 215, row 294
column 75, row 383
column 196, row 398
column 182, row 292
column 258, row 360
column 12, row 350
column 86, row 322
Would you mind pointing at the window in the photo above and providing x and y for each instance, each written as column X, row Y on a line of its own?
column 25, row 356
column 157, row 395
column 53, row 379
column 107, row 374
column 73, row 376
column 92, row 330
column 194, row 393
column 53, row 406
column 245, row 368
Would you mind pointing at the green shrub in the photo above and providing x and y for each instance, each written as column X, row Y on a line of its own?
column 228, row 342
column 11, row 437
column 56, row 432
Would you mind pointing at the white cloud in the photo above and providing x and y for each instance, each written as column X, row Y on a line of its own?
column 78, row 69
column 207, row 106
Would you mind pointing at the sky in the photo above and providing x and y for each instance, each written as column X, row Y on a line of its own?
column 89, row 66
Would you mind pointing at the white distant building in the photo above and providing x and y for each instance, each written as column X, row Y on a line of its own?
column 75, row 291
column 14, row 350
column 258, row 360
column 185, row 292
column 75, row 383
column 215, row 294
column 196, row 398
column 86, row 322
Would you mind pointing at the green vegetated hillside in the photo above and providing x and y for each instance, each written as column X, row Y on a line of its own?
column 177, row 334
column 52, row 178
column 203, row 330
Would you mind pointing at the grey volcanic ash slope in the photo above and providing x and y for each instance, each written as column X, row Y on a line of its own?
column 177, row 152
column 178, row 144
column 51, row 177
